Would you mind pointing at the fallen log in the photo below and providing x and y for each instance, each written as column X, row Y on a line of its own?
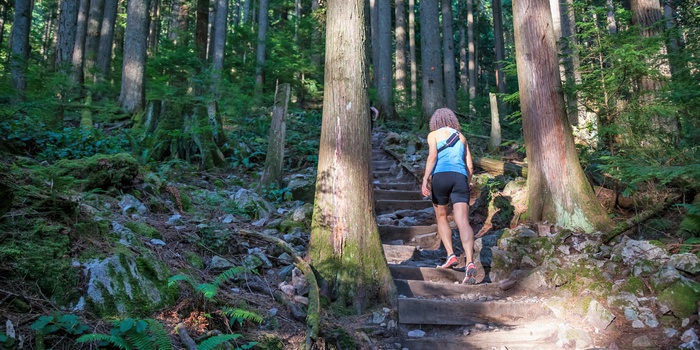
column 499, row 167
column 689, row 227
column 639, row 218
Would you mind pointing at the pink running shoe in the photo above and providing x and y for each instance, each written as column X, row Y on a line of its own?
column 470, row 276
column 451, row 261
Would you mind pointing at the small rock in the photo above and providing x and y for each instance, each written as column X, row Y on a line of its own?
column 670, row 332
column 480, row 327
column 157, row 242
column 272, row 312
column 416, row 333
column 637, row 324
column 301, row 300
column 287, row 288
column 219, row 263
column 689, row 336
column 630, row 314
column 642, row 342
column 236, row 290
column 685, row 322
column 228, row 219
column 175, row 219
column 694, row 345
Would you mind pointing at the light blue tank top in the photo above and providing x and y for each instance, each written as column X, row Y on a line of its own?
column 451, row 158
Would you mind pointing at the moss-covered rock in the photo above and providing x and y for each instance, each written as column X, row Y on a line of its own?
column 128, row 284
column 681, row 298
column 634, row 285
column 97, row 172
column 194, row 260
column 143, row 229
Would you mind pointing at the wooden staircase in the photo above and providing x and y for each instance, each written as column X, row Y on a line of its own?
column 452, row 315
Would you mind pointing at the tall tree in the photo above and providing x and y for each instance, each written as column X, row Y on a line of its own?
column 412, row 50
column 132, row 97
column 345, row 247
column 20, row 45
column 217, row 66
column 383, row 72
column 178, row 20
column 499, row 47
column 79, row 43
column 558, row 191
column 463, row 74
column 431, row 72
column 201, row 32
column 448, row 54
column 262, row 44
column 400, row 34
column 3, row 19
column 92, row 41
column 67, row 18
column 104, row 52
column 374, row 38
column 154, row 29
column 471, row 55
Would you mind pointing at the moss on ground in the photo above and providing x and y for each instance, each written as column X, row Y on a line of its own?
column 143, row 229
column 682, row 298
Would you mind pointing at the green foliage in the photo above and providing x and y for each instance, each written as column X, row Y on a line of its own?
column 132, row 333
column 277, row 195
column 303, row 136
column 59, row 323
column 237, row 315
column 209, row 290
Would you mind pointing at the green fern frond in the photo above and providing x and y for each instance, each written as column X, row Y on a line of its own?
column 214, row 341
column 141, row 341
column 172, row 280
column 207, row 289
column 117, row 341
column 242, row 314
column 228, row 274
column 159, row 335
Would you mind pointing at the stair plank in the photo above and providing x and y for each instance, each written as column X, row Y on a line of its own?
column 396, row 186
column 398, row 195
column 463, row 312
column 396, row 254
column 413, row 289
column 541, row 337
column 430, row 274
column 405, row 233
column 384, row 206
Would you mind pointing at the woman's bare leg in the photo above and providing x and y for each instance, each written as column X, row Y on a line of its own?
column 466, row 234
column 443, row 226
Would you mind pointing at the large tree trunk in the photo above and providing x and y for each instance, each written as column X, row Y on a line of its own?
column 218, row 49
column 400, row 33
column 412, row 50
column 262, row 45
column 92, row 41
column 345, row 247
column 3, row 19
column 246, row 11
column 79, row 43
column 132, row 97
column 495, row 139
column 383, row 72
column 448, row 54
column 179, row 21
column 471, row 56
column 20, row 45
column 154, row 29
column 463, row 74
column 104, row 52
column 67, row 18
column 499, row 48
column 558, row 191
column 374, row 39
column 201, row 32
column 274, row 158
column 432, row 88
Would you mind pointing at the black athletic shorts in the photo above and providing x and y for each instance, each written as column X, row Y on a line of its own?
column 450, row 187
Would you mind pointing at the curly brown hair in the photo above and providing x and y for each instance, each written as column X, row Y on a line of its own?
column 444, row 117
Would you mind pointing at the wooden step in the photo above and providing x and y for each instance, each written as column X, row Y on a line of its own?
column 383, row 164
column 398, row 195
column 396, row 254
column 430, row 274
column 384, row 206
column 406, row 186
column 464, row 312
column 543, row 336
column 392, row 233
column 455, row 290
column 383, row 173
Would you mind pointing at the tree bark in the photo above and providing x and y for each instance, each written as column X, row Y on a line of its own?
column 104, row 52
column 495, row 139
column 558, row 191
column 400, row 34
column 246, row 11
column 3, row 19
column 374, row 40
column 448, row 54
column 432, row 89
column 92, row 41
column 154, row 29
column 412, row 50
column 262, row 44
column 179, row 21
column 132, row 97
column 345, row 247
column 79, row 44
column 384, row 76
column 274, row 159
column 20, row 46
column 471, row 56
column 201, row 32
column 500, row 50
column 463, row 74
column 67, row 18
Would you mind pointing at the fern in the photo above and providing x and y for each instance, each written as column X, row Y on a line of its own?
column 240, row 314
column 217, row 340
column 173, row 279
column 159, row 335
column 115, row 340
column 228, row 274
column 130, row 334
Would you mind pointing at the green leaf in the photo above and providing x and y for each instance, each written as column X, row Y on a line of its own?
column 41, row 322
column 209, row 290
column 141, row 326
column 214, row 341
column 126, row 325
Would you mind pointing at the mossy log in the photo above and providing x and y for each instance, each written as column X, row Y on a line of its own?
column 499, row 167
column 639, row 218
column 313, row 316
column 185, row 338
column 97, row 172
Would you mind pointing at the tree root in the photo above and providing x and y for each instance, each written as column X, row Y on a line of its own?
column 185, row 338
column 639, row 218
column 313, row 316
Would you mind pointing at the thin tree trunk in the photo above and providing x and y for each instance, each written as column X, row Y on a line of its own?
column 495, row 139
column 66, row 32
column 448, row 54
column 612, row 24
column 246, row 11
column 345, row 247
column 154, row 30
column 262, row 44
column 471, row 56
column 218, row 50
column 104, row 52
column 132, row 97
column 374, row 40
column 383, row 72
column 20, row 45
column 3, row 19
column 558, row 191
column 499, row 48
column 400, row 33
column 274, row 158
column 201, row 34
column 79, row 43
column 432, row 89
column 412, row 50
column 178, row 21
column 463, row 72
column 92, row 41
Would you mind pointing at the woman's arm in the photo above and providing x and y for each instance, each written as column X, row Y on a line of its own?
column 429, row 163
column 469, row 163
